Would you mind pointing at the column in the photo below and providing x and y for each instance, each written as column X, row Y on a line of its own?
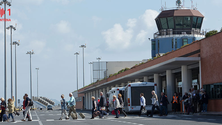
column 170, row 87
column 122, row 84
column 88, row 103
column 104, row 92
column 96, row 95
column 117, row 85
column 91, row 94
column 145, row 78
column 136, row 80
column 107, row 89
column 186, row 79
column 157, row 80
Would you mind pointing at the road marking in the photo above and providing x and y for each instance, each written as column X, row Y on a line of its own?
column 50, row 120
column 126, row 122
column 40, row 122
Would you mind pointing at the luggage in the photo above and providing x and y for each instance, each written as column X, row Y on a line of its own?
column 74, row 116
column 82, row 115
column 113, row 112
column 96, row 113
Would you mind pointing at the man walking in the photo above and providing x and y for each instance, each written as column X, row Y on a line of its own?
column 163, row 104
column 154, row 103
column 102, row 105
column 72, row 104
column 27, row 109
column 142, row 103
column 63, row 107
column 205, row 101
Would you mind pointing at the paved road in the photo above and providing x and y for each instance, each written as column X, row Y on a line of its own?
column 51, row 118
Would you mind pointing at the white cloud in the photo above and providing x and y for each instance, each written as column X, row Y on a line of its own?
column 136, row 33
column 63, row 27
column 36, row 2
column 69, row 47
column 96, row 20
column 37, row 46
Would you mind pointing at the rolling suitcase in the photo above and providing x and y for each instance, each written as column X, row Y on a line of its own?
column 82, row 115
column 74, row 116
column 96, row 113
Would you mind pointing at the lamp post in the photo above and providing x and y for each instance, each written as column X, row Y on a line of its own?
column 30, row 53
column 99, row 65
column 77, row 69
column 16, row 97
column 5, row 64
column 37, row 82
column 83, row 46
column 90, row 63
column 11, row 27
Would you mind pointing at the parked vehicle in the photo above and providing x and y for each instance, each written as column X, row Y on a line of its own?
column 132, row 95
column 49, row 107
column 114, row 91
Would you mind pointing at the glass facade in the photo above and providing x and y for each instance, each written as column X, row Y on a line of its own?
column 163, row 23
column 185, row 41
column 199, row 22
column 153, row 45
column 194, row 22
column 214, row 91
column 170, row 22
column 183, row 22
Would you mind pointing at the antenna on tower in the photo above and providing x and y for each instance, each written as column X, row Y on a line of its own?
column 178, row 3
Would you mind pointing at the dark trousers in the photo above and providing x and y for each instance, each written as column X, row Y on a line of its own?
column 153, row 108
column 175, row 105
column 93, row 110
column 162, row 107
column 141, row 108
column 2, row 113
column 117, row 114
column 121, row 111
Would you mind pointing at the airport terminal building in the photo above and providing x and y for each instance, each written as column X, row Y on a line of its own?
column 182, row 58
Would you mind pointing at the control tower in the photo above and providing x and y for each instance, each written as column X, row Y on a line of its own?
column 176, row 28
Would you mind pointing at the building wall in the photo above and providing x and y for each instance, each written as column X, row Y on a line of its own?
column 215, row 105
column 211, row 59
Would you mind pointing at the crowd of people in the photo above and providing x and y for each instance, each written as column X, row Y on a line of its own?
column 194, row 101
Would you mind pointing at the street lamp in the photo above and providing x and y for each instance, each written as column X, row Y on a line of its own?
column 83, row 46
column 90, row 63
column 37, row 82
column 5, row 64
column 11, row 27
column 77, row 69
column 99, row 65
column 30, row 53
column 16, row 97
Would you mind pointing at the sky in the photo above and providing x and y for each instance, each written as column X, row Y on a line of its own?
column 115, row 30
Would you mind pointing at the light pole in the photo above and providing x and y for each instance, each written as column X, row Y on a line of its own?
column 16, row 97
column 30, row 53
column 11, row 27
column 99, row 65
column 83, row 46
column 90, row 63
column 5, row 64
column 77, row 69
column 37, row 82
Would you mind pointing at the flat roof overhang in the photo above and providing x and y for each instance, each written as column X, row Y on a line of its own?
column 155, row 69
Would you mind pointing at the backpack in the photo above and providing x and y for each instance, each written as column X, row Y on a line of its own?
column 31, row 102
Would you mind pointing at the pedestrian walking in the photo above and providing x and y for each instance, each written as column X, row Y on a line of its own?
column 154, row 103
column 23, row 107
column 27, row 108
column 94, row 105
column 142, row 103
column 189, row 104
column 116, row 106
column 98, row 102
column 63, row 108
column 121, row 104
column 205, row 101
column 175, row 102
column 185, row 102
column 3, row 108
column 72, row 105
column 11, row 107
column 163, row 104
column 102, row 105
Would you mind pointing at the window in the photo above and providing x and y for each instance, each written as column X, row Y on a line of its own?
column 170, row 22
column 214, row 91
column 194, row 22
column 172, row 43
column 175, row 43
column 153, row 45
column 199, row 22
column 158, row 23
column 158, row 46
column 183, row 22
column 185, row 41
column 163, row 23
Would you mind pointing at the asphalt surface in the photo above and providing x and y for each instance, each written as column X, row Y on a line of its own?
column 52, row 118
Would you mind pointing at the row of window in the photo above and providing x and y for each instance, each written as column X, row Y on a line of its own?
column 214, row 91
column 184, row 42
column 179, row 22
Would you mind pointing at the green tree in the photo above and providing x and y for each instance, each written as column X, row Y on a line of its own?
column 211, row 33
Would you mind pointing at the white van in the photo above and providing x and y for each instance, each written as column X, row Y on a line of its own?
column 132, row 95
column 114, row 91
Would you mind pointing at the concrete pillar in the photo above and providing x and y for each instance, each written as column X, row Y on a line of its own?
column 107, row 89
column 186, row 79
column 104, row 92
column 157, row 80
column 145, row 78
column 91, row 94
column 122, row 84
column 137, row 80
column 96, row 95
column 170, row 87
column 116, row 85
column 200, row 78
column 88, row 103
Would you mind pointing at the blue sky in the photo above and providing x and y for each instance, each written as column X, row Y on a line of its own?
column 115, row 30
